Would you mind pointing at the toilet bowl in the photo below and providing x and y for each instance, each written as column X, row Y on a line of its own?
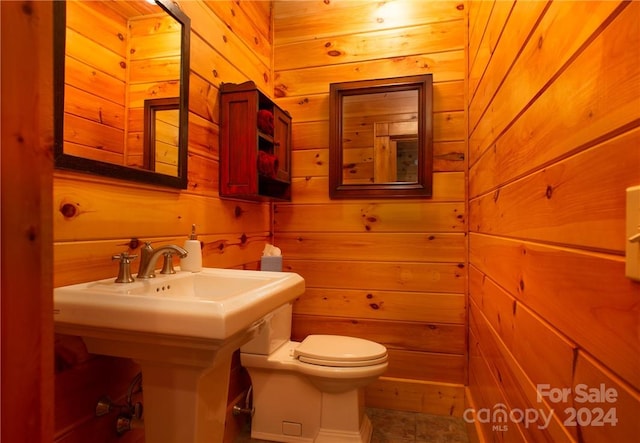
column 310, row 391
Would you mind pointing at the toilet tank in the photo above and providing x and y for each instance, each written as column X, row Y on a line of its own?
column 275, row 332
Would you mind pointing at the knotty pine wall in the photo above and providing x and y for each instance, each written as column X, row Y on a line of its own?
column 554, row 116
column 95, row 218
column 393, row 271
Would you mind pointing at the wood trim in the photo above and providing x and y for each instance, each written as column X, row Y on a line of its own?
column 474, row 432
column 26, row 226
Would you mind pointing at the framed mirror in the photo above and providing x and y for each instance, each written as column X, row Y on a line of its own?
column 381, row 138
column 121, row 74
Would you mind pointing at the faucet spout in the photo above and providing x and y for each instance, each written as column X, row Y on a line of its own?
column 150, row 256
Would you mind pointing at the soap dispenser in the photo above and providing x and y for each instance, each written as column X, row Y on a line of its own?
column 193, row 261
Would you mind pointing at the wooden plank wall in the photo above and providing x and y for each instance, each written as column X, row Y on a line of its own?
column 94, row 218
column 393, row 271
column 554, row 116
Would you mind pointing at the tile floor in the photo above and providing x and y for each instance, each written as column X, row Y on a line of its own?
column 404, row 427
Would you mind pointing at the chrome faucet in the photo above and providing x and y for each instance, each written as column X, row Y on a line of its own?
column 149, row 257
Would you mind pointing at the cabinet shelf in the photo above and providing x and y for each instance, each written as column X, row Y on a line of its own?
column 255, row 145
column 266, row 137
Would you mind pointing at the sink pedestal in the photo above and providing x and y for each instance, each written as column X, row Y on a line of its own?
column 185, row 381
column 185, row 404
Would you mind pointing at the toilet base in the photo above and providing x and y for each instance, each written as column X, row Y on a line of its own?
column 325, row 418
column 280, row 438
column 324, row 435
column 332, row 436
column 343, row 419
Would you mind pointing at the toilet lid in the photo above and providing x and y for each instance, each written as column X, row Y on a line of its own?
column 339, row 351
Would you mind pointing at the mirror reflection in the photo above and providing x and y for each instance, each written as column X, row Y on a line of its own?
column 125, row 73
column 162, row 135
column 381, row 138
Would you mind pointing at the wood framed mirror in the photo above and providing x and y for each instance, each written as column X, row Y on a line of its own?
column 381, row 138
column 111, row 61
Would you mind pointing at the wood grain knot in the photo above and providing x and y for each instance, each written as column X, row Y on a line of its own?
column 69, row 210
column 549, row 192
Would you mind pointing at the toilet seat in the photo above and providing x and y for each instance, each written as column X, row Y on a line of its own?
column 340, row 351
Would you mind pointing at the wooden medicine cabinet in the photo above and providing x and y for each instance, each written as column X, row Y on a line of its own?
column 255, row 145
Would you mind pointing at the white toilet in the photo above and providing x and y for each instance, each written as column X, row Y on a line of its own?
column 310, row 391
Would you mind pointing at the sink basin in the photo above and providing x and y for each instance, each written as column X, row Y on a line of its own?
column 182, row 329
column 211, row 304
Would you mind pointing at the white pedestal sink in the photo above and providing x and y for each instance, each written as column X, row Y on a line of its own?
column 182, row 329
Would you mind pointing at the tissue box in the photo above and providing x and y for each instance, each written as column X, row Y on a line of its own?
column 271, row 263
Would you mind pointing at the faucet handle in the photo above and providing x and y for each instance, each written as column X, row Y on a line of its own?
column 124, row 272
column 167, row 266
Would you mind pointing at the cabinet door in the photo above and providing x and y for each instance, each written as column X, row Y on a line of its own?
column 282, row 143
column 238, row 136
